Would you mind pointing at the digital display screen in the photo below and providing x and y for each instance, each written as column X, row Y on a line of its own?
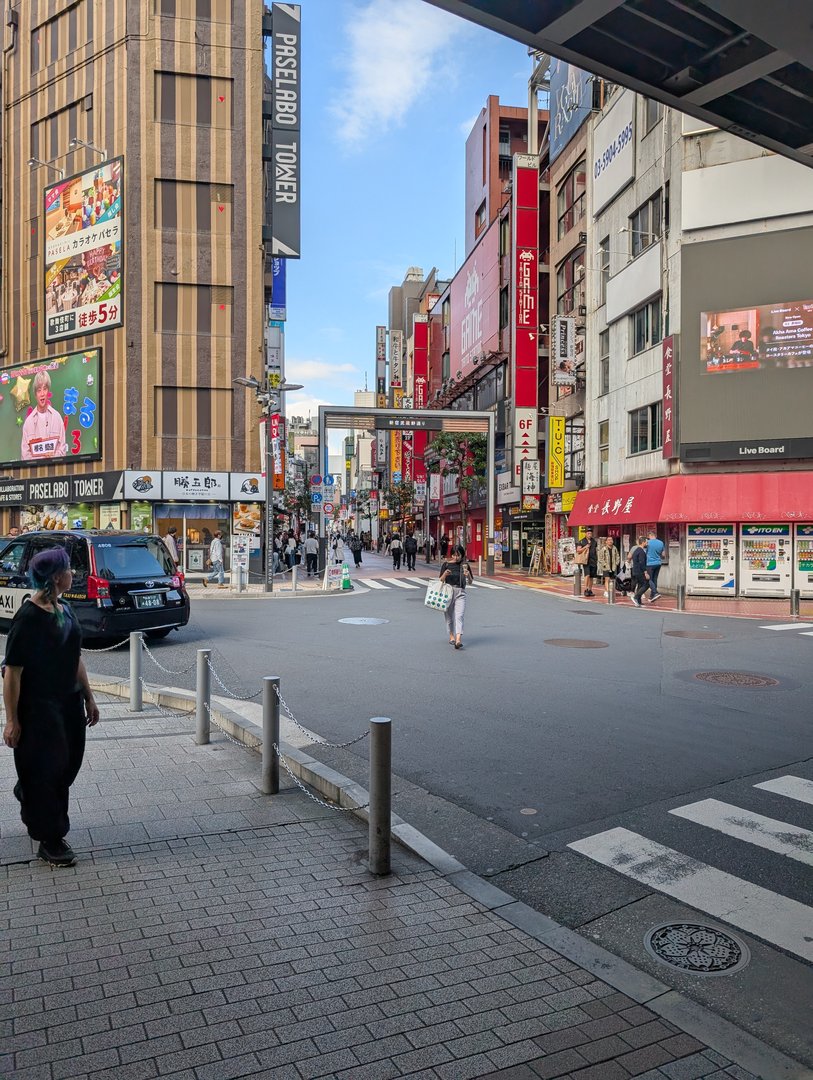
column 50, row 409
column 768, row 337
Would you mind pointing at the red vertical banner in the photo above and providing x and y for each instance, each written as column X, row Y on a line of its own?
column 668, row 413
column 420, row 378
column 277, row 452
column 525, row 299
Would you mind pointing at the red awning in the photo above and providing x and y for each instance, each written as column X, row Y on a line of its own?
column 768, row 496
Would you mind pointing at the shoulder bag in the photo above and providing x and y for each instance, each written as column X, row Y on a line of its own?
column 438, row 595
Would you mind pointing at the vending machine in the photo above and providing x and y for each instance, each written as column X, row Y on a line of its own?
column 711, row 564
column 803, row 560
column 766, row 566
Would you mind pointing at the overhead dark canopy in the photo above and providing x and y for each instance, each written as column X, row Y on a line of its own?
column 742, row 65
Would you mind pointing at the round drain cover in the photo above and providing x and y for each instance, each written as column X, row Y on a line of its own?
column 698, row 635
column 744, row 680
column 576, row 643
column 697, row 949
column 364, row 622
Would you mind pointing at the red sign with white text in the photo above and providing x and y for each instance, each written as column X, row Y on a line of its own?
column 668, row 415
column 525, row 306
column 475, row 305
column 277, row 452
column 420, row 395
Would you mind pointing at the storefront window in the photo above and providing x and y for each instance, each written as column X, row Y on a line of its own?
column 196, row 524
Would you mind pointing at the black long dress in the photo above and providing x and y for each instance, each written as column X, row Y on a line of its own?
column 52, row 722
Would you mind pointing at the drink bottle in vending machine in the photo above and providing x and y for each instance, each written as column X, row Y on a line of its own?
column 765, row 560
column 803, row 560
column 711, row 564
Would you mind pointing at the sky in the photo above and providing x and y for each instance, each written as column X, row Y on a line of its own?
column 390, row 91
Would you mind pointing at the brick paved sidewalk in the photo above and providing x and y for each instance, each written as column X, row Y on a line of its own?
column 211, row 932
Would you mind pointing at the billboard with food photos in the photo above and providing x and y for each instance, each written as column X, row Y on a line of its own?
column 50, row 410
column 83, row 252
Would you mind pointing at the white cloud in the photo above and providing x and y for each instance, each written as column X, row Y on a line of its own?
column 467, row 125
column 310, row 370
column 391, row 59
column 300, row 403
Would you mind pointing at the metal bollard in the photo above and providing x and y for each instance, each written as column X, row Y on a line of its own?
column 795, row 595
column 270, row 734
column 479, row 565
column 611, row 590
column 293, row 577
column 577, row 582
column 681, row 597
column 203, row 697
column 136, row 698
column 380, row 813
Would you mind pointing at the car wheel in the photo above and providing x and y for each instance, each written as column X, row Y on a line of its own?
column 156, row 635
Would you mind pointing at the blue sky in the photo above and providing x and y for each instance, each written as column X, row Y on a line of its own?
column 390, row 90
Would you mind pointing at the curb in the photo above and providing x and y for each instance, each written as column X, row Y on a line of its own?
column 726, row 1038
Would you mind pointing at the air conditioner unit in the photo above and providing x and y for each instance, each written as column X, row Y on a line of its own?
column 582, row 311
column 582, row 237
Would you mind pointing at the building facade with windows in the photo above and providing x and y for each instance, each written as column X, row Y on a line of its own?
column 154, row 114
column 699, row 351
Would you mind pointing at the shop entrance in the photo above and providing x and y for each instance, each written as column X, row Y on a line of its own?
column 523, row 537
column 196, row 524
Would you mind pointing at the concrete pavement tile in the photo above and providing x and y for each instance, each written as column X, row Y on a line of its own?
column 464, row 1068
column 433, row 1033
column 379, row 1049
column 607, row 1070
column 648, row 1057
column 376, row 1070
column 228, row 1069
column 471, row 1021
column 566, row 1061
column 425, row 1058
column 681, row 1045
column 689, row 1068
column 102, row 1059
column 604, row 1049
column 645, row 1034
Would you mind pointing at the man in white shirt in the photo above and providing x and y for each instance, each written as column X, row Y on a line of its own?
column 311, row 546
column 216, row 560
column 171, row 543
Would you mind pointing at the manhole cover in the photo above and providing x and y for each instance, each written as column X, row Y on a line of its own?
column 364, row 622
column 576, row 643
column 744, row 680
column 697, row 949
column 699, row 635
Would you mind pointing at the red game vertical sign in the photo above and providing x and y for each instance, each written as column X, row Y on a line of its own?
column 420, row 370
column 668, row 415
column 525, row 304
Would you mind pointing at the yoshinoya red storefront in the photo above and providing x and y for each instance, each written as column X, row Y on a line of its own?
column 725, row 534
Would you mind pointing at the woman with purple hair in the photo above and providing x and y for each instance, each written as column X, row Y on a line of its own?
column 49, row 704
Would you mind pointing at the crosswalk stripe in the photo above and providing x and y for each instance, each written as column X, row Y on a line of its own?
column 372, row 584
column 788, row 626
column 480, row 584
column 765, row 832
column 792, row 787
column 398, row 583
column 766, row 914
column 806, row 633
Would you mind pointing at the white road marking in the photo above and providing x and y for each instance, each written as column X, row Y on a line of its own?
column 792, row 787
column 788, row 626
column 806, row 633
column 768, row 915
column 399, row 584
column 480, row 584
column 372, row 584
column 765, row 832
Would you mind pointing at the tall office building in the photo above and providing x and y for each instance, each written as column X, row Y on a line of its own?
column 132, row 224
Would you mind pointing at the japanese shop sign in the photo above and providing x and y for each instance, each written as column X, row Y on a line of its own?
column 286, row 96
column 50, row 409
column 208, row 486
column 555, row 452
column 277, row 433
column 525, row 290
column 668, row 406
column 475, row 306
column 83, row 252
column 531, row 485
column 396, row 359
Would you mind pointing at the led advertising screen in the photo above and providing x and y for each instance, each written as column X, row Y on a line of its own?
column 83, row 252
column 772, row 336
column 50, row 410
column 743, row 381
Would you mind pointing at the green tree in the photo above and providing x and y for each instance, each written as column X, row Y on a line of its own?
column 463, row 455
column 363, row 508
column 398, row 498
column 296, row 500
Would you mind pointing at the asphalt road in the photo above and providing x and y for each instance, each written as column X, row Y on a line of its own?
column 522, row 744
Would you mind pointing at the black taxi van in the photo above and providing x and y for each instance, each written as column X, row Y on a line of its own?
column 122, row 581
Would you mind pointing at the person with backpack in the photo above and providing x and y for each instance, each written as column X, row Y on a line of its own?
column 395, row 550
column 356, row 546
column 410, row 550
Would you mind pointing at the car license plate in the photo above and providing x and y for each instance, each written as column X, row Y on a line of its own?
column 150, row 600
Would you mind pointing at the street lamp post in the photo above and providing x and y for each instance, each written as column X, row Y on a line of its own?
column 269, row 399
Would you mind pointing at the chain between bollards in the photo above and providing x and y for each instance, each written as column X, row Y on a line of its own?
column 380, row 812
column 136, row 699
column 271, row 700
column 203, row 697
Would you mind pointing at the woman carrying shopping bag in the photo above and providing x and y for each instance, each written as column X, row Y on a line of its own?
column 456, row 573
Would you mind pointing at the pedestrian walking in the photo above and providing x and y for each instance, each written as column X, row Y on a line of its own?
column 640, row 580
column 654, row 560
column 171, row 542
column 356, row 548
column 410, row 551
column 608, row 560
column 338, row 550
column 396, row 548
column 456, row 573
column 291, row 552
column 587, row 558
column 432, row 547
column 216, row 560
column 444, row 546
column 311, row 547
column 48, row 703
